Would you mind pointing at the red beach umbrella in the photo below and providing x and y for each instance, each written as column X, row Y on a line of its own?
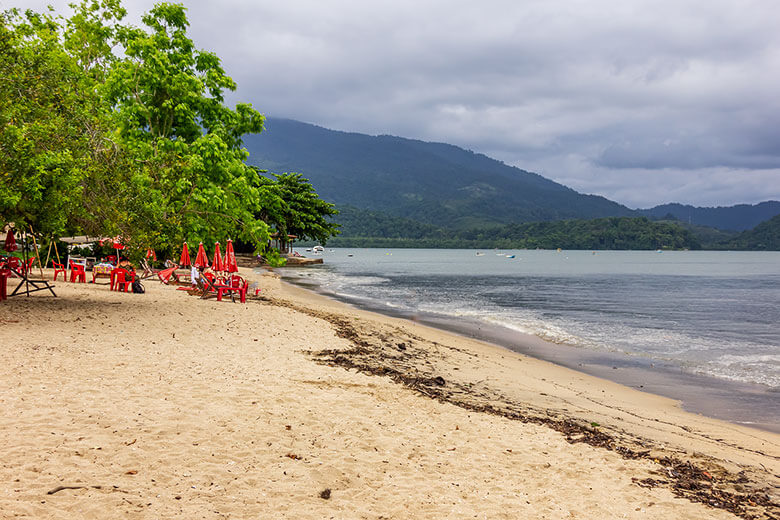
column 116, row 243
column 10, row 241
column 185, row 256
column 118, row 246
column 151, row 254
column 217, row 265
column 230, row 258
column 201, row 260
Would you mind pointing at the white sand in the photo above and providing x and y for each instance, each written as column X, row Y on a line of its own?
column 165, row 405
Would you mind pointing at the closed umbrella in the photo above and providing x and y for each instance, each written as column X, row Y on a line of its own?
column 201, row 260
column 218, row 264
column 10, row 241
column 230, row 258
column 185, row 256
column 151, row 254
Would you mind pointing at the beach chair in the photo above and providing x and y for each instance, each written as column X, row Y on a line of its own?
column 25, row 267
column 165, row 275
column 235, row 285
column 208, row 284
column 78, row 272
column 15, row 266
column 148, row 271
column 60, row 268
column 122, row 280
column 4, row 274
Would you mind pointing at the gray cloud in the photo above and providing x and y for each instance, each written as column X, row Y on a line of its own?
column 643, row 102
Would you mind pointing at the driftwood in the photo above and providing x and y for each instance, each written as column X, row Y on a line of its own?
column 60, row 488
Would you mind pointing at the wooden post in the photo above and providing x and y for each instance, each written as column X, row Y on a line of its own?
column 37, row 252
column 48, row 253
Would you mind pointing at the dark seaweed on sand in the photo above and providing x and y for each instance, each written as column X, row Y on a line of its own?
column 378, row 354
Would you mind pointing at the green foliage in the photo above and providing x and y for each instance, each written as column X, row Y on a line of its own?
column 604, row 233
column 191, row 180
column 298, row 209
column 53, row 134
column 764, row 237
column 108, row 129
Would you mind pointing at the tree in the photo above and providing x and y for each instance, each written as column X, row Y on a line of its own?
column 136, row 142
column 299, row 211
column 191, row 180
column 52, row 129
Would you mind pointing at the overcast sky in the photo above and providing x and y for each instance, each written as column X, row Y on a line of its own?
column 643, row 102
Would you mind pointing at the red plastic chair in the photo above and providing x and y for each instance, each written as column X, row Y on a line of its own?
column 13, row 264
column 122, row 280
column 60, row 268
column 4, row 274
column 235, row 285
column 77, row 272
column 26, row 268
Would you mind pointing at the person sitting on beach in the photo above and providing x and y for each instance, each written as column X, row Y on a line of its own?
column 195, row 273
column 125, row 264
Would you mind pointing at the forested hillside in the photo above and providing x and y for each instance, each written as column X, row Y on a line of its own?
column 764, row 237
column 603, row 233
column 431, row 183
column 736, row 218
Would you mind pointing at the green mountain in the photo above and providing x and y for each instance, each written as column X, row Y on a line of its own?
column 432, row 184
column 764, row 237
column 734, row 218
column 399, row 192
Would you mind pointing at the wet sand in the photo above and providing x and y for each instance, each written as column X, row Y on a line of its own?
column 742, row 403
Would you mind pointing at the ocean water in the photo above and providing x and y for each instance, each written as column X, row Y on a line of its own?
column 707, row 313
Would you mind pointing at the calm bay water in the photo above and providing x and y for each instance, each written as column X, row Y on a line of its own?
column 708, row 313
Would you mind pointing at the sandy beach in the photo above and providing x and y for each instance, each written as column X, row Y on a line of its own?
column 165, row 405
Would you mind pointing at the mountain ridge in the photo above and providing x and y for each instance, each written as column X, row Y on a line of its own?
column 433, row 183
column 444, row 185
column 739, row 217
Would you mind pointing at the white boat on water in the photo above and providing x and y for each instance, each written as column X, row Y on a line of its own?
column 317, row 249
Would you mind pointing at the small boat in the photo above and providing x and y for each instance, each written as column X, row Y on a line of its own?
column 317, row 249
column 479, row 253
column 510, row 256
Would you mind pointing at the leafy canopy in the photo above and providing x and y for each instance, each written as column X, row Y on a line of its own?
column 111, row 129
column 52, row 133
column 191, row 172
column 298, row 211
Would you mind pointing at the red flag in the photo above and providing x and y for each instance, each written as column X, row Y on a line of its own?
column 201, row 260
column 185, row 256
column 217, row 265
column 10, row 241
column 230, row 258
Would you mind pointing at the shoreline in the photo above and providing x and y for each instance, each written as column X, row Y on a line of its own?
column 634, row 422
column 737, row 402
column 168, row 405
